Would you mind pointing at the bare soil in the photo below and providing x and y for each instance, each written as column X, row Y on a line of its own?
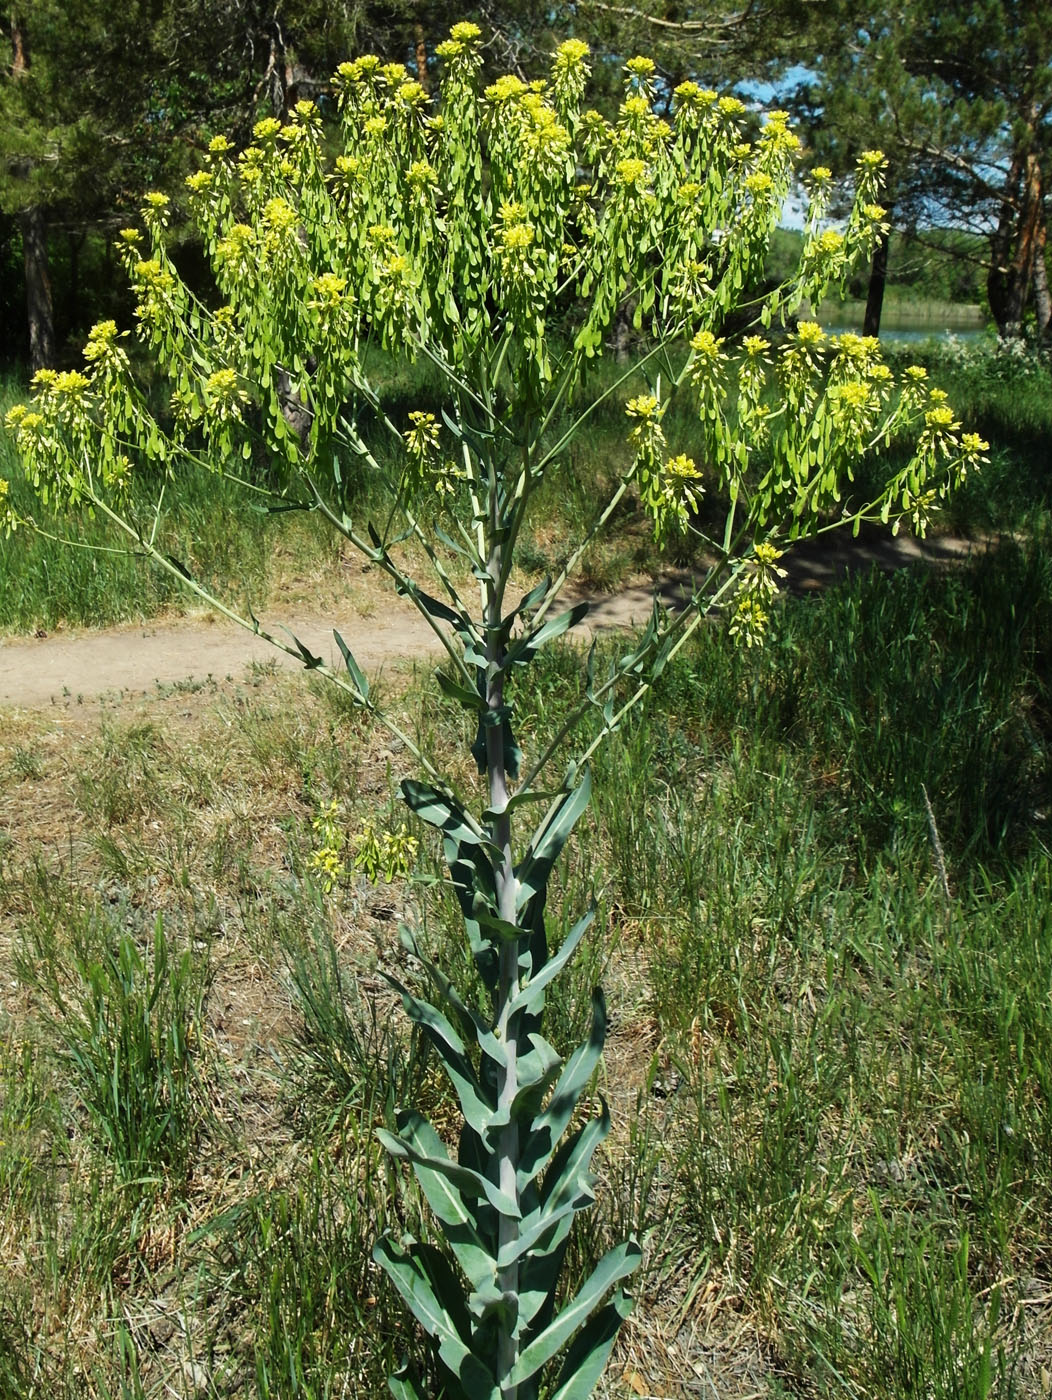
column 382, row 631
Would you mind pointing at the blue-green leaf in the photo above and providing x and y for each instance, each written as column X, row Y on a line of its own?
column 550, row 1125
column 441, row 810
column 474, row 1105
column 523, row 650
column 549, row 839
column 525, row 999
column 415, row 1273
column 403, row 1386
column 355, row 672
column 473, row 1185
column 588, row 1353
column 613, row 1267
column 459, row 1221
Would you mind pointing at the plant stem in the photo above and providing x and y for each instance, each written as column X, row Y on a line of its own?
column 506, row 1027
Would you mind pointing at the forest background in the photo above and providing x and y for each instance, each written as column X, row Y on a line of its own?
column 98, row 103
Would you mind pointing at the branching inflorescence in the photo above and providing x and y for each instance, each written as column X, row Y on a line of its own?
column 498, row 234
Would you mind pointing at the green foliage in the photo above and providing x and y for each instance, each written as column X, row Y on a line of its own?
column 126, row 1025
column 783, row 951
column 468, row 236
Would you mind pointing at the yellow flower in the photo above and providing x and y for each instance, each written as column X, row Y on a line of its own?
column 635, row 107
column 640, row 67
column 279, row 214
column 517, row 236
column 707, row 346
column 508, row 88
column 219, row 145
column 759, row 183
column 682, row 468
column 941, row 418
column 571, row 54
column 643, row 406
column 632, row 173
column 71, row 383
column 421, row 176
column 411, row 94
column 328, row 290
column 830, row 242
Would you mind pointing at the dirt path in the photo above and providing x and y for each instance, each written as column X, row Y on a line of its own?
column 136, row 659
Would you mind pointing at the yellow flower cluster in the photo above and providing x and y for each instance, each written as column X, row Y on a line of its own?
column 224, row 397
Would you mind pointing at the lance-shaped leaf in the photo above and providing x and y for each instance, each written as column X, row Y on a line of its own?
column 472, row 1184
column 613, row 1267
column 469, row 855
column 525, row 648
column 432, row 1293
column 549, row 1126
column 355, row 672
column 469, row 1018
column 441, row 810
column 403, row 1386
column 434, row 607
column 568, row 1188
column 311, row 661
column 531, row 997
column 537, row 1069
column 469, row 1239
column 530, row 600
column 547, row 843
column 465, row 546
column 477, row 1109
column 470, row 699
column 588, row 1353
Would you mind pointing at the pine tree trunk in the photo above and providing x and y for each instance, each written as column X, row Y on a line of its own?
column 878, row 277
column 1015, row 245
column 421, row 56
column 1042, row 299
column 39, row 310
column 32, row 224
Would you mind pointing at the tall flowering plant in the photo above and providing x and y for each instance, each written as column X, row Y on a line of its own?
column 496, row 235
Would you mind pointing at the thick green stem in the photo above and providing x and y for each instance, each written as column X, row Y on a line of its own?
column 506, row 1024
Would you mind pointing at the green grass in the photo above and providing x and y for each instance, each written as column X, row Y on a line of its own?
column 831, row 1083
column 205, row 523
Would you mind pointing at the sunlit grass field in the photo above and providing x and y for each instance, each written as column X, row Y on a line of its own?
column 825, row 930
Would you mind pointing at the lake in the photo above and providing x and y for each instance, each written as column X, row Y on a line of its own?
column 909, row 321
